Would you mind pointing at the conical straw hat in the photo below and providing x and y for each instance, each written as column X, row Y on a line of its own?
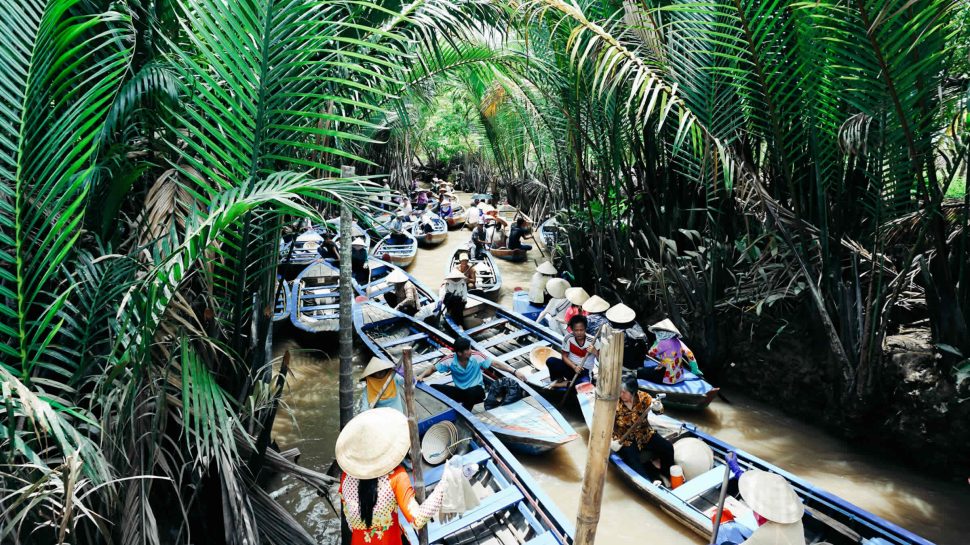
column 396, row 276
column 665, row 325
column 546, row 268
column 373, row 443
column 596, row 304
column 694, row 456
column 577, row 295
column 437, row 443
column 621, row 314
column 557, row 287
column 357, row 242
column 771, row 496
column 539, row 355
column 454, row 274
column 376, row 365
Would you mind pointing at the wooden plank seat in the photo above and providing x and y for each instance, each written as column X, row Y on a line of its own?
column 434, row 354
column 492, row 504
column 505, row 338
column 308, row 308
column 700, row 484
column 487, row 325
column 403, row 340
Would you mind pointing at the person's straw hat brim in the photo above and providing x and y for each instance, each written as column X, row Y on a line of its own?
column 665, row 325
column 546, row 268
column 557, row 288
column 376, row 365
column 771, row 496
column 621, row 314
column 693, row 456
column 373, row 443
column 596, row 304
column 396, row 277
column 357, row 242
column 577, row 295
column 454, row 274
column 540, row 354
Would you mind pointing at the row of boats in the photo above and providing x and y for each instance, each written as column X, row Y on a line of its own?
column 513, row 509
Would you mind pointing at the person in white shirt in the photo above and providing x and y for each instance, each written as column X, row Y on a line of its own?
column 555, row 312
column 537, row 287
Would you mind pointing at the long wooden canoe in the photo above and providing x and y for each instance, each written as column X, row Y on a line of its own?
column 397, row 248
column 827, row 518
column 437, row 235
column 530, row 425
column 488, row 276
column 315, row 298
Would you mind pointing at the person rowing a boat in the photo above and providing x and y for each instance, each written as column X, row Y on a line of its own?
column 382, row 386
column 517, row 233
column 639, row 446
column 404, row 296
column 537, row 286
column 555, row 311
column 595, row 310
column 453, row 296
column 374, row 485
column 577, row 355
column 479, row 240
column 671, row 355
column 467, row 269
column 624, row 318
column 468, row 384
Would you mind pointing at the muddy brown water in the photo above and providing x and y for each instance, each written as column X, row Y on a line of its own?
column 938, row 511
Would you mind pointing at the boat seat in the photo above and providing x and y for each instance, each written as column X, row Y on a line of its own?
column 308, row 308
column 403, row 340
column 700, row 484
column 476, row 456
column 489, row 505
column 521, row 351
column 505, row 338
column 486, row 325
column 434, row 354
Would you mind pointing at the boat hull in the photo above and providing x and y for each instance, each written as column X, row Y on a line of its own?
column 402, row 255
column 515, row 256
column 693, row 393
column 488, row 280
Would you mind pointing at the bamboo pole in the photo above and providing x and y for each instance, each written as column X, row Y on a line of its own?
column 416, row 471
column 607, row 394
column 346, row 310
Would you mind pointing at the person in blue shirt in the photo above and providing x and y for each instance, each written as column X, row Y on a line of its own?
column 468, row 385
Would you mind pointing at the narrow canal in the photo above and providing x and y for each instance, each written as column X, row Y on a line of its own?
column 935, row 510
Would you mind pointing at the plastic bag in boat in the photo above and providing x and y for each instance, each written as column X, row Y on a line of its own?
column 459, row 496
column 503, row 391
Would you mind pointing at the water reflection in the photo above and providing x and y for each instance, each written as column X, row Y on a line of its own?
column 926, row 506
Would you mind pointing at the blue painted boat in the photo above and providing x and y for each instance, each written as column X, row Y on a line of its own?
column 508, row 337
column 488, row 275
column 315, row 298
column 530, row 425
column 693, row 393
column 304, row 249
column 397, row 248
column 438, row 233
column 827, row 518
column 376, row 287
column 549, row 232
column 513, row 509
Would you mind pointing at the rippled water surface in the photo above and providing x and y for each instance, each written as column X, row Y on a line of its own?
column 939, row 511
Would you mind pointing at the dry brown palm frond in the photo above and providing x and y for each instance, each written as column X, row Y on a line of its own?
column 167, row 205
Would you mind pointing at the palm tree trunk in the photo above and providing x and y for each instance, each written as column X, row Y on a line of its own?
column 346, row 318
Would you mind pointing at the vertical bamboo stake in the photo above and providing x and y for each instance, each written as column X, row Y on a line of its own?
column 607, row 393
column 346, row 310
column 416, row 470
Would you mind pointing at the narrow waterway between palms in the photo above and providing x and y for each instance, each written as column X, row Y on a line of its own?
column 933, row 509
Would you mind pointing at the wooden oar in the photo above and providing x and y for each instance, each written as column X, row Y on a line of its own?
column 720, row 503
column 569, row 388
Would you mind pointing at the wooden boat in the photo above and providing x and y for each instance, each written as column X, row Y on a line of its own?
column 380, row 225
column 281, row 310
column 507, row 336
column 315, row 298
column 457, row 218
column 304, row 249
column 549, row 231
column 530, row 425
column 516, row 256
column 377, row 287
column 399, row 252
column 827, row 518
column 510, row 213
column 488, row 276
column 438, row 234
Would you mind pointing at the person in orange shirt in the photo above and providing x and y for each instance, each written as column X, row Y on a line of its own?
column 374, row 484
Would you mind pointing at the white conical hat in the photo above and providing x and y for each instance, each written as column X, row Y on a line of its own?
column 596, row 304
column 376, row 365
column 373, row 443
column 577, row 295
column 546, row 268
column 665, row 325
column 771, row 496
column 308, row 236
column 454, row 274
column 358, row 242
column 396, row 276
column 621, row 314
column 693, row 456
column 557, row 287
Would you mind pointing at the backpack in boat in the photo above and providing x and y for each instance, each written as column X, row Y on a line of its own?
column 503, row 391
